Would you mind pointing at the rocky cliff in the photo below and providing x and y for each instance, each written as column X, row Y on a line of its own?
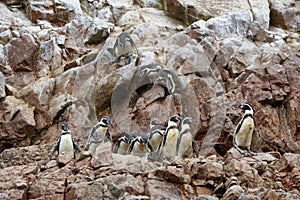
column 56, row 66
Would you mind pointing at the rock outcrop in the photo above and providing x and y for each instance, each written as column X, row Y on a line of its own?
column 57, row 65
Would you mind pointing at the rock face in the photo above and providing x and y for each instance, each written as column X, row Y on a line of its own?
column 57, row 65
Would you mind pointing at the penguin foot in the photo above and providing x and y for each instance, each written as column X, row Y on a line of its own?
column 250, row 152
column 239, row 150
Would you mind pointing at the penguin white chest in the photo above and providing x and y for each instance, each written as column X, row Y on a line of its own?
column 244, row 135
column 123, row 148
column 66, row 144
column 170, row 145
column 100, row 132
column 139, row 149
column 156, row 141
column 185, row 148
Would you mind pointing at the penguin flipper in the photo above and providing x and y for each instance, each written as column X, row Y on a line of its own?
column 130, row 147
column 87, row 145
column 116, row 146
column 76, row 147
column 54, row 148
column 108, row 136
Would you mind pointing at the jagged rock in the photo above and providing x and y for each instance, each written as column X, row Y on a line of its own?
column 211, row 171
column 206, row 197
column 162, row 189
column 84, row 190
column 61, row 68
column 237, row 24
column 15, row 17
column 50, row 59
column 127, row 163
column 59, row 12
column 120, row 184
column 149, row 3
column 285, row 14
column 2, row 86
column 103, row 156
column 18, row 122
column 172, row 174
column 64, row 158
column 191, row 11
column 21, row 51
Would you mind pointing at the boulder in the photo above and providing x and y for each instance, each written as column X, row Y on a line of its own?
column 191, row 11
column 285, row 14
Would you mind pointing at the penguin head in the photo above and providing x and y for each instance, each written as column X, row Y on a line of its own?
column 65, row 126
column 155, row 122
column 174, row 120
column 138, row 139
column 187, row 120
column 105, row 121
column 246, row 107
column 127, row 138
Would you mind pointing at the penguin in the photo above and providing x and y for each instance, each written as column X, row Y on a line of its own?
column 138, row 146
column 243, row 132
column 169, row 80
column 122, row 144
column 156, row 124
column 65, row 143
column 155, row 138
column 185, row 142
column 170, row 138
column 124, row 47
column 154, row 143
column 150, row 71
column 99, row 134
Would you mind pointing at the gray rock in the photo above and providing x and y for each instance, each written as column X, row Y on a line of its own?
column 191, row 11
column 50, row 58
column 2, row 86
column 285, row 14
column 231, row 24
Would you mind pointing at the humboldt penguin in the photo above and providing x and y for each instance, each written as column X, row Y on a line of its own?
column 122, row 144
column 244, row 130
column 185, row 142
column 170, row 138
column 124, row 47
column 65, row 143
column 99, row 134
column 168, row 80
column 138, row 146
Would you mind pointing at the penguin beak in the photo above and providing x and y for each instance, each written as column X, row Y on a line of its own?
column 238, row 105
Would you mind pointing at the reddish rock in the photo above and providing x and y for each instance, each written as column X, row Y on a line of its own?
column 102, row 156
column 162, row 189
